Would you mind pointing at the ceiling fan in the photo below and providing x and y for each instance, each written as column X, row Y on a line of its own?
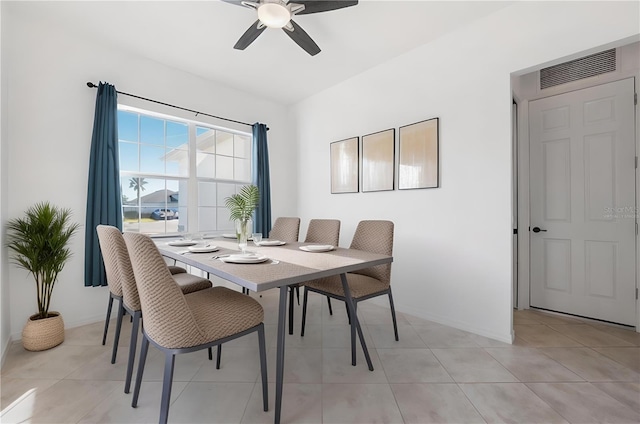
column 278, row 13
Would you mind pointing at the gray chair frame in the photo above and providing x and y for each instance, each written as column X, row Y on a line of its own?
column 355, row 305
column 174, row 326
column 121, row 310
column 309, row 239
column 136, row 316
column 352, row 302
column 118, row 325
column 169, row 362
column 278, row 225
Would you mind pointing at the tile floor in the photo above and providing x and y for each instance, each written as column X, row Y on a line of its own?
column 560, row 369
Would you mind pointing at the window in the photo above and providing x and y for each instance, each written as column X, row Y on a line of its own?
column 173, row 170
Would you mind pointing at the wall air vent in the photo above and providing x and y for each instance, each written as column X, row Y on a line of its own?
column 574, row 70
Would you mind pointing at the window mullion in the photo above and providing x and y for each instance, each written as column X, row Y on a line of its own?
column 192, row 199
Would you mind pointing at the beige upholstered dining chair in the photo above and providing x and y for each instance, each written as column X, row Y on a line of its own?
column 115, row 292
column 285, row 229
column 321, row 231
column 119, row 273
column 370, row 236
column 176, row 323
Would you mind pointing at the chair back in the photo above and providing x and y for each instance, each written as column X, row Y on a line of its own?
column 111, row 244
column 325, row 231
column 285, row 229
column 375, row 237
column 117, row 264
column 168, row 321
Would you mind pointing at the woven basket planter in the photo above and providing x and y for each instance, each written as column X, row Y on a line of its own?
column 43, row 334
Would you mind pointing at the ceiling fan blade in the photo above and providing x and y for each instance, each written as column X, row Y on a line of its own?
column 236, row 2
column 302, row 38
column 250, row 35
column 315, row 6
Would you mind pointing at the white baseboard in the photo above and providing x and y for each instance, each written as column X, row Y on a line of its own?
column 420, row 313
column 4, row 352
column 505, row 338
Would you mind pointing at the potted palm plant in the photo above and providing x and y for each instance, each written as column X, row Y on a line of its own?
column 241, row 207
column 39, row 243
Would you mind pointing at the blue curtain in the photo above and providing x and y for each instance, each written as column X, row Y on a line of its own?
column 104, row 202
column 260, row 163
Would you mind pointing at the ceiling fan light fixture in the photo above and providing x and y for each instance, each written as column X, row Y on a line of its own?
column 274, row 15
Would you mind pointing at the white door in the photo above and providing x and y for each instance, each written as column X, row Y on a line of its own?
column 583, row 214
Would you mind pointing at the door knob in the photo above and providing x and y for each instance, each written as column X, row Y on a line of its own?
column 538, row 229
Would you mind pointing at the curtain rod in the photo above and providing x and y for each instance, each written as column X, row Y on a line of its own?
column 92, row 85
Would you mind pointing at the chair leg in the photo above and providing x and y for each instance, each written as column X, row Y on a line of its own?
column 329, row 303
column 290, row 310
column 298, row 294
column 355, row 324
column 118, row 327
column 210, row 354
column 393, row 315
column 106, row 322
column 167, row 381
column 143, row 358
column 353, row 333
column 218, row 356
column 263, row 367
column 304, row 310
column 132, row 349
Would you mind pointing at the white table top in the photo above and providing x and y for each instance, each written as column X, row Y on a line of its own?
column 293, row 266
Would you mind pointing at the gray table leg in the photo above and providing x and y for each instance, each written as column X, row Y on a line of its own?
column 282, row 317
column 355, row 322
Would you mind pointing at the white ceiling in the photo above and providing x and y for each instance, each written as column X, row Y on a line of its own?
column 198, row 37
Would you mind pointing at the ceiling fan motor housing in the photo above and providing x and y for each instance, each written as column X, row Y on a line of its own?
column 274, row 13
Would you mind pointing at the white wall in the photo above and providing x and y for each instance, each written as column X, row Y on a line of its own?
column 452, row 244
column 50, row 115
column 5, row 316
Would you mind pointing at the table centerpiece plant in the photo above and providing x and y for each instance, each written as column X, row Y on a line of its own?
column 241, row 206
column 39, row 243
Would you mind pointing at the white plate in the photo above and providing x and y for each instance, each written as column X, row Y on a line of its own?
column 203, row 249
column 245, row 259
column 233, row 236
column 272, row 243
column 182, row 243
column 317, row 248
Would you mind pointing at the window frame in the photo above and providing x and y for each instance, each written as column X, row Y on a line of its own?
column 192, row 180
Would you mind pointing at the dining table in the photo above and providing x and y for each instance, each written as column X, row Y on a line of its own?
column 280, row 266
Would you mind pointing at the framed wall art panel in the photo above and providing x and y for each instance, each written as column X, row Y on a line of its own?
column 378, row 161
column 418, row 165
column 344, row 166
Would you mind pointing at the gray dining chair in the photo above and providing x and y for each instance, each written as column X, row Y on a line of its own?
column 115, row 292
column 321, row 231
column 285, row 229
column 370, row 236
column 175, row 322
column 119, row 272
